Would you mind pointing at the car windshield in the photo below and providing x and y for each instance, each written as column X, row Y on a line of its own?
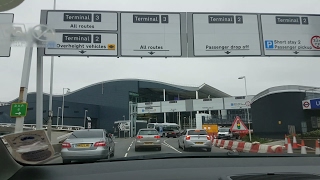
column 194, row 75
column 197, row 132
column 148, row 132
column 86, row 134
column 224, row 130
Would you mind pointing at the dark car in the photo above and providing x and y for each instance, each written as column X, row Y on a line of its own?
column 172, row 133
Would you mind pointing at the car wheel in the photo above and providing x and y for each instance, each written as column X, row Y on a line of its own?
column 136, row 149
column 159, row 149
column 179, row 145
column 208, row 149
column 184, row 148
column 66, row 161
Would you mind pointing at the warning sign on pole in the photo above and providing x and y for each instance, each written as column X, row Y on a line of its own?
column 238, row 125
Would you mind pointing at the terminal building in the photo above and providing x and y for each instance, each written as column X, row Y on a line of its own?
column 272, row 112
column 108, row 101
column 278, row 110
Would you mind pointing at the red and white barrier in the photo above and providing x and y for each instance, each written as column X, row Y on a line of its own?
column 247, row 147
column 234, row 145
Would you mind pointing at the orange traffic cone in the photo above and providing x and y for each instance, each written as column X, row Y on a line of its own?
column 285, row 141
column 303, row 147
column 294, row 142
column 317, row 147
column 289, row 149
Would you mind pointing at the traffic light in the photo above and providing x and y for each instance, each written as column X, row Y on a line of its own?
column 238, row 124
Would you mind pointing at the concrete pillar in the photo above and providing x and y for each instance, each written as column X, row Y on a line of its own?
column 164, row 99
column 197, row 97
column 224, row 114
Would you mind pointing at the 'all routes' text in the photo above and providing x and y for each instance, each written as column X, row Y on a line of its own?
column 151, row 47
column 75, row 26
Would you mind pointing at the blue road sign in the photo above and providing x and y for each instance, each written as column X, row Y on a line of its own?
column 315, row 103
column 269, row 44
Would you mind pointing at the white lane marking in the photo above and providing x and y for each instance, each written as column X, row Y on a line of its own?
column 165, row 143
column 128, row 149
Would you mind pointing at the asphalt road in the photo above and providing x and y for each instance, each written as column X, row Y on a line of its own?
column 125, row 148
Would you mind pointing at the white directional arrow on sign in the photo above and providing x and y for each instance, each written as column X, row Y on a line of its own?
column 19, row 113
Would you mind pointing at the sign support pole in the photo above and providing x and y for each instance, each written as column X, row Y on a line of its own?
column 25, row 79
column 51, row 85
column 39, row 95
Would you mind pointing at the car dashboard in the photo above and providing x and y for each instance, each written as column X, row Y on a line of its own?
column 180, row 168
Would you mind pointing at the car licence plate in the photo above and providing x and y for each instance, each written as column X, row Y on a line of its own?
column 148, row 143
column 199, row 142
column 83, row 145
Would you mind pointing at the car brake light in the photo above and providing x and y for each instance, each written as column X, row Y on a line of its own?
column 139, row 137
column 66, row 145
column 208, row 137
column 188, row 138
column 100, row 143
column 158, row 137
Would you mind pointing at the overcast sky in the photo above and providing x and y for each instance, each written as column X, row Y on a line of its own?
column 221, row 73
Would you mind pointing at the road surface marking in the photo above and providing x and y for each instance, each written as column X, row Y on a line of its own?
column 128, row 148
column 126, row 155
column 166, row 144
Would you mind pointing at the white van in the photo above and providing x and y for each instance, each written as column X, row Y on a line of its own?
column 224, row 133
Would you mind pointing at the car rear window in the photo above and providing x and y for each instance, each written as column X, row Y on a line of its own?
column 148, row 132
column 86, row 134
column 197, row 132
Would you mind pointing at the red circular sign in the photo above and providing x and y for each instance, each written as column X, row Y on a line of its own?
column 306, row 104
column 315, row 42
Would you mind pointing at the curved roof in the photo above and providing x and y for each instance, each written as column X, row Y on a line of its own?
column 282, row 89
column 204, row 88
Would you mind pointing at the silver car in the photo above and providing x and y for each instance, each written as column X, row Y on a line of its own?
column 148, row 138
column 87, row 144
column 194, row 138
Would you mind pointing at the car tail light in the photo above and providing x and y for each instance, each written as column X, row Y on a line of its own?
column 158, row 137
column 208, row 137
column 188, row 138
column 100, row 143
column 66, row 145
column 139, row 137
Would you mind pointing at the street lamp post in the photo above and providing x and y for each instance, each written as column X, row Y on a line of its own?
column 63, row 104
column 84, row 120
column 245, row 86
column 58, row 116
column 124, row 117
